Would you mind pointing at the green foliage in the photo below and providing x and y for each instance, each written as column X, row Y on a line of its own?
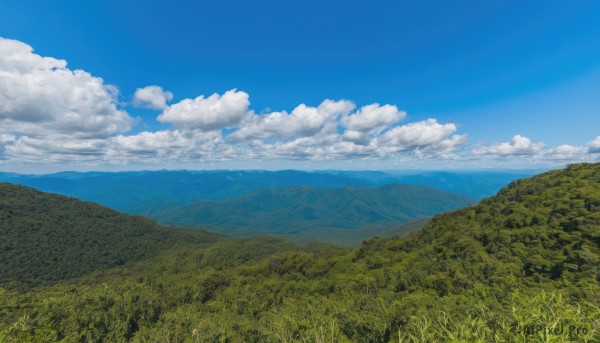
column 46, row 237
column 534, row 317
column 321, row 213
column 522, row 266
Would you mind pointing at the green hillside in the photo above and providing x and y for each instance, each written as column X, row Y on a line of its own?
column 297, row 210
column 46, row 237
column 522, row 266
column 353, row 237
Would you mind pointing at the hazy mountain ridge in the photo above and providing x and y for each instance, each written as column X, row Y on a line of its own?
column 147, row 191
column 295, row 209
column 144, row 192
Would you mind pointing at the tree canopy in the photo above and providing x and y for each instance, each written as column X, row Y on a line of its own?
column 522, row 266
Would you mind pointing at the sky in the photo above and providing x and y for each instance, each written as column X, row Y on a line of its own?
column 121, row 85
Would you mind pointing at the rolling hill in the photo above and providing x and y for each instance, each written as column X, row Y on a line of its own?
column 521, row 266
column 47, row 237
column 303, row 210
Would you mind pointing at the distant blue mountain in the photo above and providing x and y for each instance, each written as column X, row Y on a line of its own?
column 474, row 184
column 296, row 210
column 146, row 192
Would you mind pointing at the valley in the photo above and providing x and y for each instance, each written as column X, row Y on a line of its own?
column 526, row 257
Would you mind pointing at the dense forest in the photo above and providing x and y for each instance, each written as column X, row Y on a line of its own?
column 521, row 266
column 300, row 212
column 47, row 237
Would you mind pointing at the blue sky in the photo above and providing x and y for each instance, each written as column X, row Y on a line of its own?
column 508, row 83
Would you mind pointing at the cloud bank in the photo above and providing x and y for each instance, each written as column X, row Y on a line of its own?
column 52, row 114
column 517, row 146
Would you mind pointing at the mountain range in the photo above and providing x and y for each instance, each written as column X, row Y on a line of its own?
column 521, row 266
column 145, row 192
column 310, row 211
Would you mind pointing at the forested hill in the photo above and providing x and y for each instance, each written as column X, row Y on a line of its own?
column 293, row 210
column 541, row 232
column 516, row 267
column 47, row 237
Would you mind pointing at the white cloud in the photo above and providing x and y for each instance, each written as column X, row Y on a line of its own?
column 41, row 97
column 307, row 133
column 171, row 146
column 153, row 97
column 520, row 147
column 5, row 139
column 303, row 121
column 319, row 148
column 151, row 143
column 414, row 135
column 567, row 152
column 163, row 145
column 144, row 147
column 369, row 120
column 517, row 146
column 594, row 146
column 52, row 114
column 50, row 149
column 213, row 113
column 445, row 148
column 372, row 117
column 331, row 132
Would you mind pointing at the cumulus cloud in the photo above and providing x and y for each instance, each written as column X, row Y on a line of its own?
column 372, row 117
column 369, row 120
column 150, row 143
column 369, row 133
column 444, row 148
column 50, row 113
column 301, row 122
column 213, row 113
column 517, row 146
column 153, row 97
column 566, row 152
column 520, row 147
column 170, row 145
column 5, row 139
column 418, row 134
column 594, row 146
column 421, row 140
column 40, row 96
column 323, row 147
column 50, row 149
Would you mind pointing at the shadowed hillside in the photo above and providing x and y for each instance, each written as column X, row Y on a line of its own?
column 47, row 237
